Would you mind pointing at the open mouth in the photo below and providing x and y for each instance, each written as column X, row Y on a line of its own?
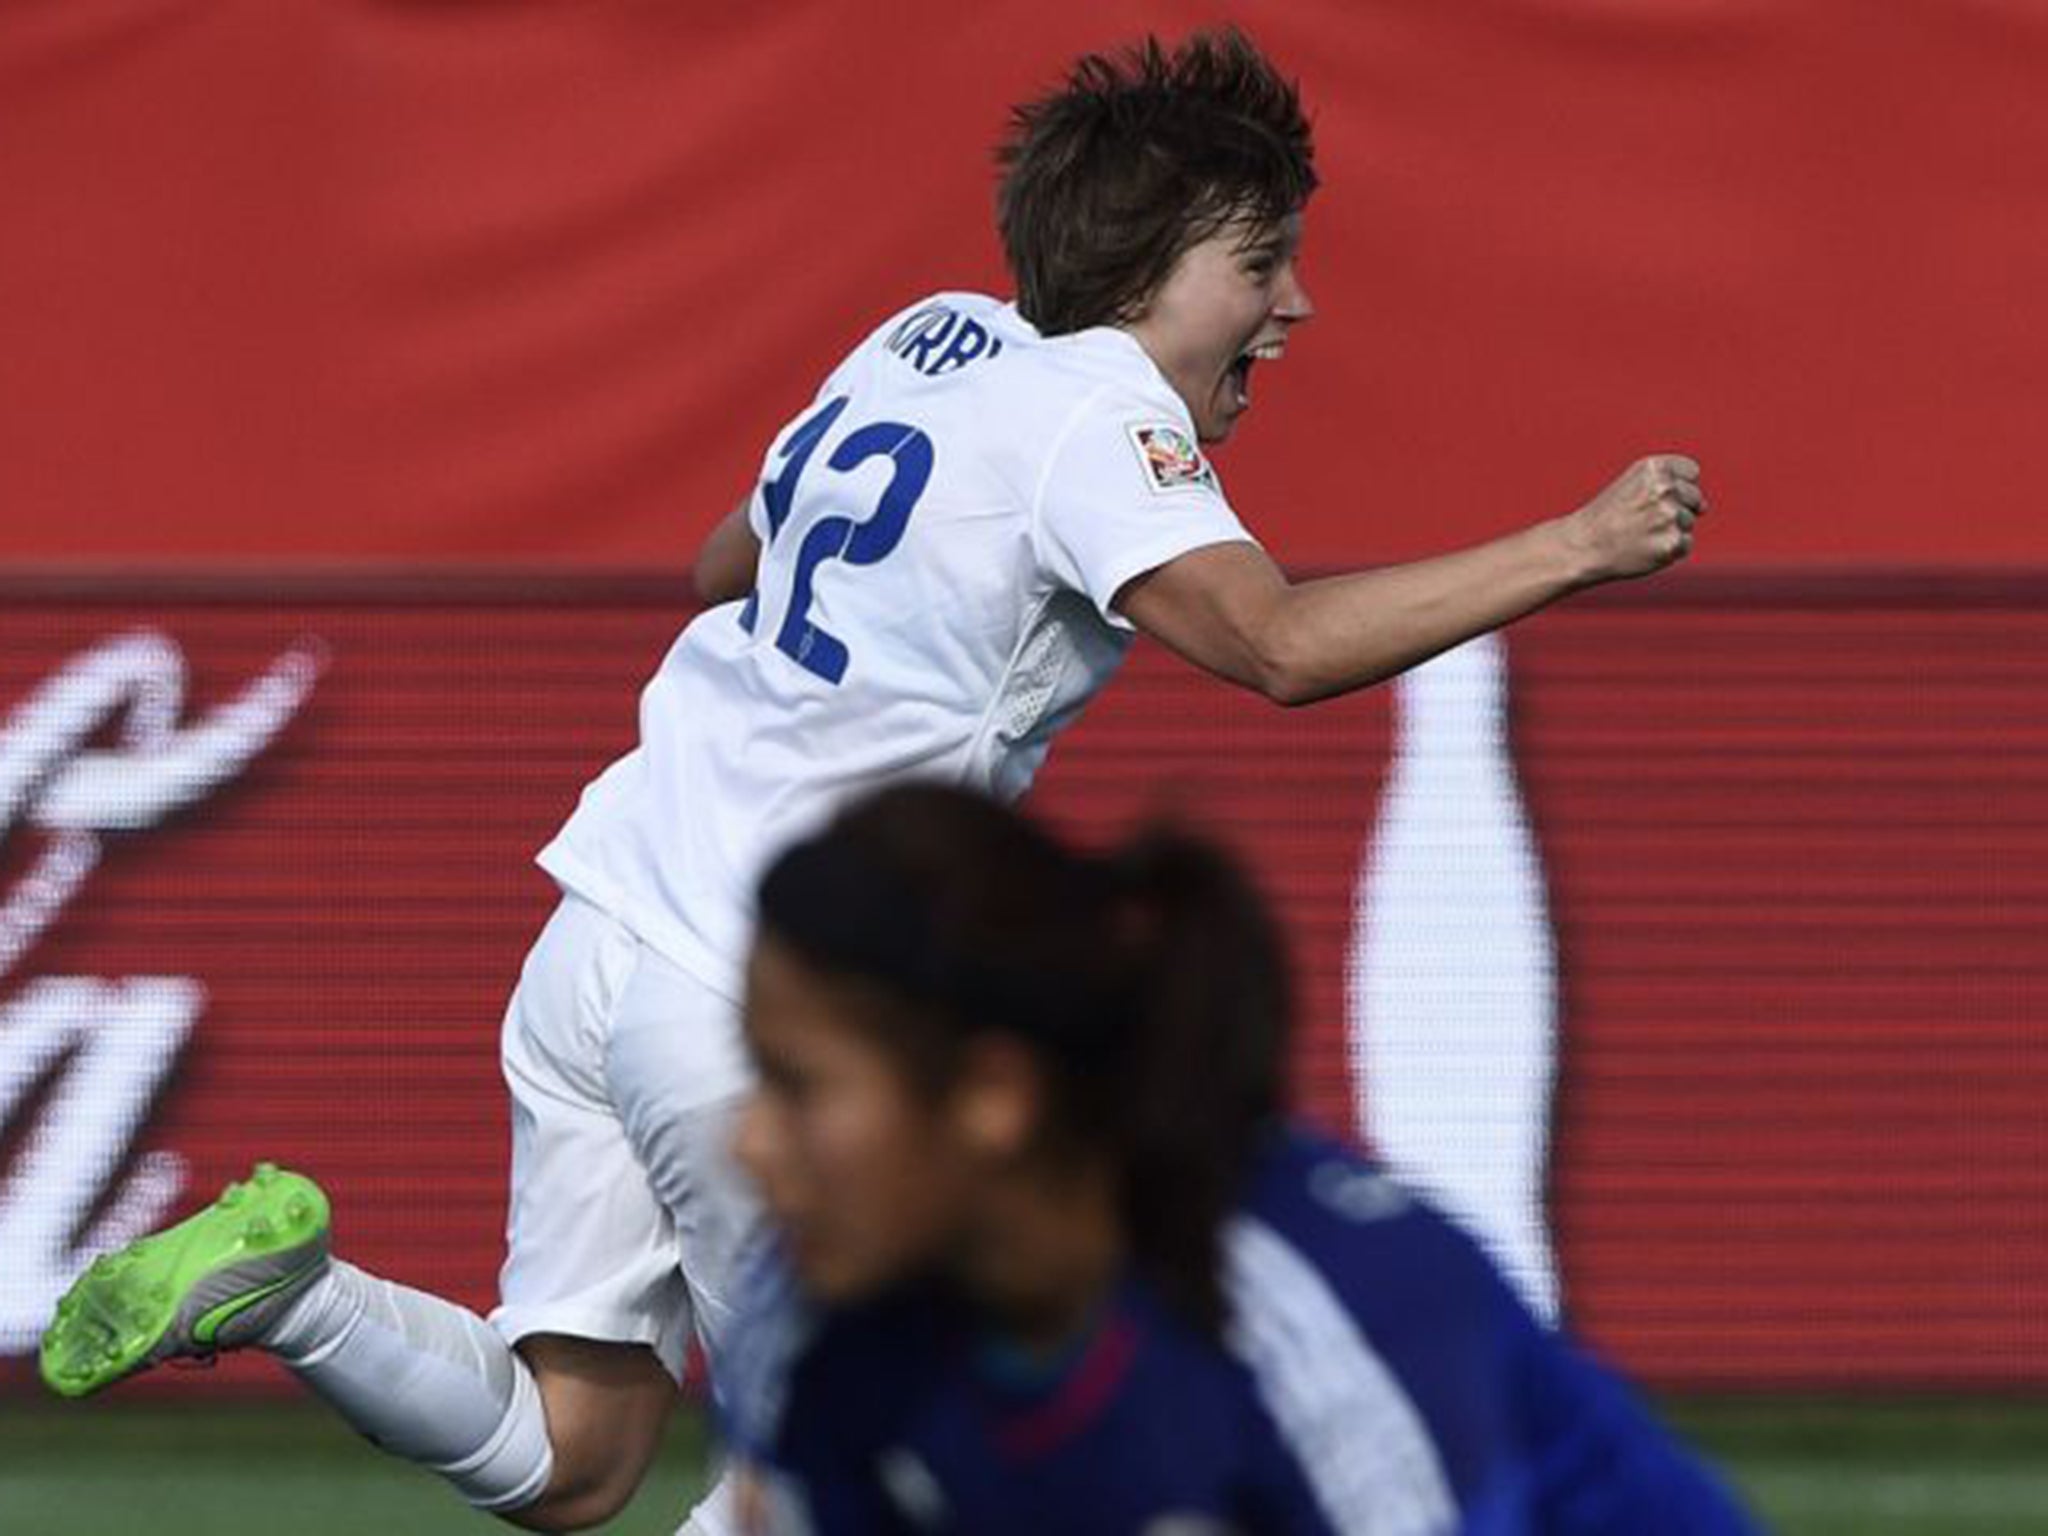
column 1241, row 370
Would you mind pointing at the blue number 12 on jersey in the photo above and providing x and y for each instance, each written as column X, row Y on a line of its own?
column 835, row 536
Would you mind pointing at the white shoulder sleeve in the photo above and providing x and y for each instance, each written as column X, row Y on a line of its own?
column 1124, row 489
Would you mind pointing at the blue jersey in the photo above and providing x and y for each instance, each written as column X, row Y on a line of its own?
column 1377, row 1376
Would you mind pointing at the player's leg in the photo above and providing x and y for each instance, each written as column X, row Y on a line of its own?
column 570, row 1418
column 606, row 1404
column 593, row 1259
column 422, row 1377
column 678, row 1073
column 591, row 1298
column 591, row 1337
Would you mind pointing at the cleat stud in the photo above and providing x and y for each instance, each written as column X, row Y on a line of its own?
column 257, row 1228
column 266, row 1173
column 298, row 1209
column 232, row 1196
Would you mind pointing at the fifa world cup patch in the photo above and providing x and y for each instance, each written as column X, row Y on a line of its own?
column 1171, row 459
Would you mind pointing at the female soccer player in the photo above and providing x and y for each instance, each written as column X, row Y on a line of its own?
column 1050, row 1260
column 949, row 551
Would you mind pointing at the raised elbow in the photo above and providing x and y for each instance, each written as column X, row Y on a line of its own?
column 1287, row 689
column 720, row 575
column 1282, row 673
column 707, row 584
column 725, row 563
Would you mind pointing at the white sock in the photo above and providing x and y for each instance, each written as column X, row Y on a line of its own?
column 422, row 1378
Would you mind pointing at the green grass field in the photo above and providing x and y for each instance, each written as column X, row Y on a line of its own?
column 1811, row 1467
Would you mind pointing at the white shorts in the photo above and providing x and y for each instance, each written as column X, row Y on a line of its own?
column 628, row 1213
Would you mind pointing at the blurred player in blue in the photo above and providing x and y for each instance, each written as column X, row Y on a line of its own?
column 1048, row 1257
column 949, row 551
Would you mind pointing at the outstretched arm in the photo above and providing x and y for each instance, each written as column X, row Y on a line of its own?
column 1230, row 610
column 724, row 567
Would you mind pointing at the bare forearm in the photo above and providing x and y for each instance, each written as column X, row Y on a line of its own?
column 1338, row 633
column 1229, row 609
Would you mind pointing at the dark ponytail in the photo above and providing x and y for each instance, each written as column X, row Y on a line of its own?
column 1150, row 983
column 1204, row 1069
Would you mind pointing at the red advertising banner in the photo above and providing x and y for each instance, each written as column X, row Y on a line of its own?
column 1691, row 941
column 302, row 281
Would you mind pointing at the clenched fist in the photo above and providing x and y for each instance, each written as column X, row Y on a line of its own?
column 1642, row 522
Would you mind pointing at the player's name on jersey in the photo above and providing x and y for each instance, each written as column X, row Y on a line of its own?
column 938, row 339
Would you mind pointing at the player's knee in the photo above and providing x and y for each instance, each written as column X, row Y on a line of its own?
column 589, row 1484
column 606, row 1404
column 575, row 1504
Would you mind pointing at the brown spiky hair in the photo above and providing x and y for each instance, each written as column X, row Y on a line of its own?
column 1140, row 155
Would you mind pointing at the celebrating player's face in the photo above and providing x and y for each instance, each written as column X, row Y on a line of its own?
column 861, row 1176
column 1228, row 305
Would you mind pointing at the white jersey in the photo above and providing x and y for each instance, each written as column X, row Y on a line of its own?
column 942, row 534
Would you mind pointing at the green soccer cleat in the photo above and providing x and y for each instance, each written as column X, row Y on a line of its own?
column 214, row 1281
